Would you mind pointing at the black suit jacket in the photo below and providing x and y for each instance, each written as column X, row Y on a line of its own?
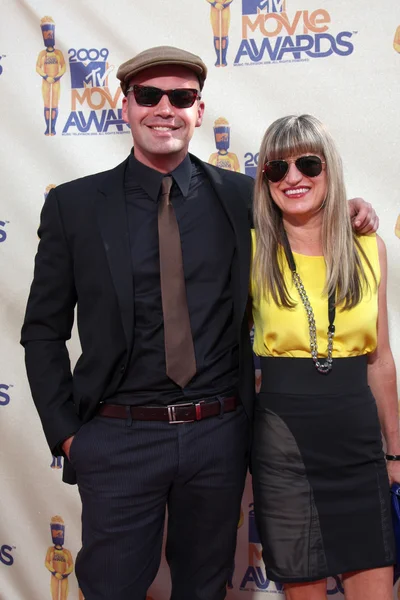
column 84, row 259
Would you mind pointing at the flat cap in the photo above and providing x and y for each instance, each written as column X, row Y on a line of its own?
column 161, row 55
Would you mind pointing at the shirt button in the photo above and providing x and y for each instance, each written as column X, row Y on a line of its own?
column 122, row 369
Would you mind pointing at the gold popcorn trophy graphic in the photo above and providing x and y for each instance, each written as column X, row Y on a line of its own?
column 222, row 158
column 58, row 560
column 50, row 65
column 396, row 41
column 397, row 227
column 56, row 462
column 220, row 17
column 49, row 187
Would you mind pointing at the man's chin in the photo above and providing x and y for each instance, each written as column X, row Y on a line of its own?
column 168, row 148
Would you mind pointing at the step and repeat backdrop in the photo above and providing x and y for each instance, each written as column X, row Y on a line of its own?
column 338, row 60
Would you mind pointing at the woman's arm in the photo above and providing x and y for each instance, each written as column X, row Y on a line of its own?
column 382, row 374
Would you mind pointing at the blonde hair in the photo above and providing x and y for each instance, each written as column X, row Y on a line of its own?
column 345, row 275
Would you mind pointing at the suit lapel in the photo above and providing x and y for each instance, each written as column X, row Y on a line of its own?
column 113, row 225
column 236, row 210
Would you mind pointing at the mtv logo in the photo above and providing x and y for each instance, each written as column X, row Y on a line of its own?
column 252, row 7
column 254, row 538
column 92, row 74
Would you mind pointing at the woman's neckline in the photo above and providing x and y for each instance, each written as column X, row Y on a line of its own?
column 308, row 255
column 303, row 254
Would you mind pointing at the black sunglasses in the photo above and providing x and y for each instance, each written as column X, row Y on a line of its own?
column 310, row 166
column 146, row 95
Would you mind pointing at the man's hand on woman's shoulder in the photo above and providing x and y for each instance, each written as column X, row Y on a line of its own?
column 363, row 216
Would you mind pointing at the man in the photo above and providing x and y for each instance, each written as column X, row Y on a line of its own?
column 157, row 411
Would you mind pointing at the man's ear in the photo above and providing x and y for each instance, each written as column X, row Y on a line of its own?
column 200, row 113
column 125, row 109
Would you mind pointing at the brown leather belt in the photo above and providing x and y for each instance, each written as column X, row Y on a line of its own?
column 174, row 413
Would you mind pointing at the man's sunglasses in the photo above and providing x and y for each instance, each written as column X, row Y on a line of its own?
column 146, row 95
column 310, row 166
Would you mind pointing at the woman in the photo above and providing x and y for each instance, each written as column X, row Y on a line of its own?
column 321, row 485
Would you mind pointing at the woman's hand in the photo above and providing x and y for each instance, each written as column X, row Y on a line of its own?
column 393, row 467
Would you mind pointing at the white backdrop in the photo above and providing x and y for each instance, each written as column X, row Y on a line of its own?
column 337, row 60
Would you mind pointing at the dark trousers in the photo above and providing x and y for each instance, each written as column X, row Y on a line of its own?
column 128, row 473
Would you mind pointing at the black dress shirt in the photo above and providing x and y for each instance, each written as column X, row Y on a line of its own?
column 208, row 246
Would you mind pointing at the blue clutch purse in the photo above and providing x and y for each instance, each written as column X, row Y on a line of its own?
column 395, row 501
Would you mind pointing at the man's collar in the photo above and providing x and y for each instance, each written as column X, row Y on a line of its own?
column 150, row 179
column 182, row 175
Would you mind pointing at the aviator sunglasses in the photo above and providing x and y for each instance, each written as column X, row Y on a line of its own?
column 310, row 166
column 146, row 95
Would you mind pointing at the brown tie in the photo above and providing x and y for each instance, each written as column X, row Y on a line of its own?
column 179, row 349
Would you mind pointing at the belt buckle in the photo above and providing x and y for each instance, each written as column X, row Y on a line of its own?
column 172, row 420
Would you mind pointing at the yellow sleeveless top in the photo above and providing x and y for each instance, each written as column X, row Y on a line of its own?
column 280, row 331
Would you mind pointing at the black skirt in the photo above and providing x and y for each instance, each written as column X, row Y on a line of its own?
column 321, row 490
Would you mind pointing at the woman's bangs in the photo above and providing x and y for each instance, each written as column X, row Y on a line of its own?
column 293, row 141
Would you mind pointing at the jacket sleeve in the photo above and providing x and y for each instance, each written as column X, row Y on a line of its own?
column 47, row 326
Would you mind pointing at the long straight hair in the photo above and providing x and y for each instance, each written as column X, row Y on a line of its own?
column 345, row 274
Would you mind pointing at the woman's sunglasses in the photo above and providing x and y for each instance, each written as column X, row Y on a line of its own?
column 310, row 166
column 146, row 95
